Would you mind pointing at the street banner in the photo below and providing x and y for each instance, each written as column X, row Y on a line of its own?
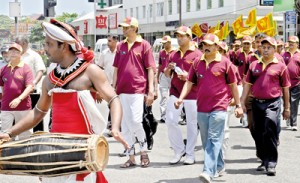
column 283, row 5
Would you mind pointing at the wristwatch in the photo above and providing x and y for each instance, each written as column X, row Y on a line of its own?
column 238, row 106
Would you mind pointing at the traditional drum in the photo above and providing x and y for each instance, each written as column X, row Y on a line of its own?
column 54, row 154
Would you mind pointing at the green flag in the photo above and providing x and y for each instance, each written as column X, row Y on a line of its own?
column 283, row 5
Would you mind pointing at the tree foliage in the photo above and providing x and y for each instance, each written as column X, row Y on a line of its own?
column 67, row 17
column 36, row 34
column 5, row 22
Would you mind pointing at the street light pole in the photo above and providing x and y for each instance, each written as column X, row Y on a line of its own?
column 180, row 13
column 16, row 23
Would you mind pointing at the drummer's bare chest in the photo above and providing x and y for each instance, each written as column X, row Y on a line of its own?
column 81, row 82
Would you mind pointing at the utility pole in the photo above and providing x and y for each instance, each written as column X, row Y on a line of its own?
column 180, row 13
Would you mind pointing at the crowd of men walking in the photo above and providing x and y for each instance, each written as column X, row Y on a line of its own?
column 256, row 78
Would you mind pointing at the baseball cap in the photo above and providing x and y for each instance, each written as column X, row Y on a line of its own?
column 247, row 39
column 237, row 42
column 279, row 42
column 210, row 39
column 270, row 40
column 293, row 39
column 4, row 48
column 223, row 45
column 166, row 39
column 16, row 46
column 129, row 21
column 184, row 30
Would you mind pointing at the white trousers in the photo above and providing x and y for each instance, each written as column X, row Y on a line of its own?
column 9, row 117
column 131, row 126
column 174, row 133
column 164, row 89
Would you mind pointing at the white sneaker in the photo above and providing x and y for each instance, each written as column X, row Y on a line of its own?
column 219, row 173
column 189, row 161
column 204, row 178
column 294, row 128
column 176, row 159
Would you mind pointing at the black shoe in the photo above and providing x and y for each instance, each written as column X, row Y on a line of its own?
column 271, row 171
column 183, row 122
column 150, row 144
column 261, row 168
column 162, row 121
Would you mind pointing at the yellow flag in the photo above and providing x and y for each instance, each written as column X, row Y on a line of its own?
column 249, row 31
column 196, row 30
column 223, row 32
column 218, row 25
column 265, row 23
column 251, row 20
column 211, row 30
column 237, row 24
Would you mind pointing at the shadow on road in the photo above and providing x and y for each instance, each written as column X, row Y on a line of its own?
column 238, row 147
column 185, row 180
column 249, row 160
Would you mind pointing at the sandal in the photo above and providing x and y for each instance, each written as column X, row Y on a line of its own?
column 144, row 160
column 128, row 164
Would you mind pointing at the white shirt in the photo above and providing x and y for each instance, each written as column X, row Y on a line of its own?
column 35, row 62
column 106, row 61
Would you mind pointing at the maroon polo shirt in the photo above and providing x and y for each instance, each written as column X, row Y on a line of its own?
column 133, row 64
column 184, row 62
column 251, row 58
column 241, row 60
column 287, row 55
column 294, row 69
column 14, row 81
column 267, row 80
column 212, row 80
column 163, row 59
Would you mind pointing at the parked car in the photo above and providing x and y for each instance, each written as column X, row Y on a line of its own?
column 101, row 45
column 157, row 46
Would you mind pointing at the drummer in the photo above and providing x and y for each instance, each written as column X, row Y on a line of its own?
column 75, row 78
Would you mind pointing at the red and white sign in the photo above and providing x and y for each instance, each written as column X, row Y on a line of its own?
column 101, row 22
column 85, row 30
column 112, row 21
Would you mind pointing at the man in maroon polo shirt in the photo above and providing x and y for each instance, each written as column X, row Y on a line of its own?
column 268, row 80
column 163, row 80
column 16, row 78
column 293, row 48
column 294, row 72
column 241, row 57
column 179, row 64
column 133, row 79
column 215, row 77
column 234, row 51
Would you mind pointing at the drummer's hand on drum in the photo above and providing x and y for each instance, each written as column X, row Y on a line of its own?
column 13, row 104
column 4, row 137
column 117, row 135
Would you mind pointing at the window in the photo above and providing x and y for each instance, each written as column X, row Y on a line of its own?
column 209, row 4
column 125, row 13
column 170, row 7
column 178, row 6
column 198, row 5
column 221, row 3
column 137, row 12
column 131, row 12
column 160, row 9
column 188, row 5
column 144, row 11
column 150, row 10
column 117, row 2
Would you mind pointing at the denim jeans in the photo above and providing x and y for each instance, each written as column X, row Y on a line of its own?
column 212, row 135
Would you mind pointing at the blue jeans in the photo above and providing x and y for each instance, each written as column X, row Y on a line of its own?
column 212, row 135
